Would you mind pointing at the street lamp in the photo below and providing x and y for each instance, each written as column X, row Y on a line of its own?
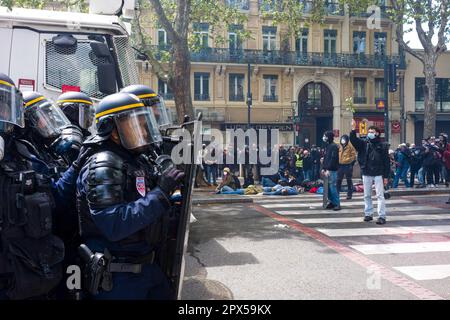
column 294, row 107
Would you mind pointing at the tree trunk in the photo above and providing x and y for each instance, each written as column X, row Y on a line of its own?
column 429, row 123
column 181, row 82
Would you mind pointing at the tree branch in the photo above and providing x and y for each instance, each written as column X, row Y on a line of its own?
column 165, row 23
column 444, row 15
column 183, row 18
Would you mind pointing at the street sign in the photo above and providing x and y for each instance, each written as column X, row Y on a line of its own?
column 380, row 104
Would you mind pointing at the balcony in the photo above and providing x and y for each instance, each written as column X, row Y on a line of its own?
column 238, row 4
column 270, row 98
column 201, row 97
column 237, row 97
column 384, row 13
column 292, row 58
column 166, row 96
column 360, row 100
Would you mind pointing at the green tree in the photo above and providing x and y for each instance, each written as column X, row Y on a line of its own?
column 431, row 19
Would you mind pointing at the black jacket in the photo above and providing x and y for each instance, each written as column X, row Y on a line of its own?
column 331, row 158
column 373, row 156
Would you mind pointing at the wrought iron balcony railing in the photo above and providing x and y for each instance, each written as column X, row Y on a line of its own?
column 384, row 10
column 201, row 97
column 283, row 57
column 360, row 100
column 238, row 4
column 236, row 97
column 166, row 96
column 270, row 98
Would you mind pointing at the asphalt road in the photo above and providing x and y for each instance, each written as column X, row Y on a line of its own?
column 290, row 248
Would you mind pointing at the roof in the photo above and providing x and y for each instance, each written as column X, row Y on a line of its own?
column 46, row 19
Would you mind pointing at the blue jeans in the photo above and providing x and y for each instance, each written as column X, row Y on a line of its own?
column 229, row 190
column 266, row 182
column 421, row 176
column 333, row 194
column 211, row 170
column 299, row 175
column 379, row 189
column 401, row 173
column 308, row 174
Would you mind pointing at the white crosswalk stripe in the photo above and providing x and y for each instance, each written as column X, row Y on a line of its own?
column 421, row 220
column 318, row 211
column 428, row 272
column 319, row 204
column 391, row 218
column 354, row 232
column 396, row 248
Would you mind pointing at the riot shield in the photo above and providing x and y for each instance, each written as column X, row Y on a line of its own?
column 173, row 263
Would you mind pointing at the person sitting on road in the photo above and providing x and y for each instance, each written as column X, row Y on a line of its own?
column 228, row 182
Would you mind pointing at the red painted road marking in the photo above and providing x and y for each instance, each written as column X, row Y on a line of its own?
column 386, row 273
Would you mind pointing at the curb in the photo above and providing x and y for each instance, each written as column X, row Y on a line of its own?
column 217, row 200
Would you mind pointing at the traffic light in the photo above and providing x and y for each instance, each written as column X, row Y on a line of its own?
column 392, row 77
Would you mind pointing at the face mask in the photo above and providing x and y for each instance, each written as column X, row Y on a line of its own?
column 371, row 135
column 225, row 173
column 343, row 141
column 2, row 148
column 306, row 141
column 324, row 139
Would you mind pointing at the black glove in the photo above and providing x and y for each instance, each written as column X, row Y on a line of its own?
column 85, row 153
column 169, row 180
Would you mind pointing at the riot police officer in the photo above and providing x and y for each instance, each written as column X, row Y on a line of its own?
column 30, row 256
column 50, row 131
column 79, row 109
column 150, row 99
column 120, row 215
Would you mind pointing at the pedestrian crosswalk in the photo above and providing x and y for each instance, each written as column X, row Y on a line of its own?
column 415, row 242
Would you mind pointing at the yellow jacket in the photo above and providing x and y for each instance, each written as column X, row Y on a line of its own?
column 347, row 154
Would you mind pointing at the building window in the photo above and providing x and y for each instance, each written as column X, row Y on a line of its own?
column 329, row 38
column 269, row 38
column 270, row 88
column 201, row 32
column 163, row 40
column 442, row 94
column 332, row 7
column 314, row 94
column 270, row 5
column 379, row 43
column 359, row 87
column 236, row 87
column 234, row 41
column 164, row 90
column 201, row 86
column 379, row 88
column 359, row 42
column 238, row 4
column 301, row 43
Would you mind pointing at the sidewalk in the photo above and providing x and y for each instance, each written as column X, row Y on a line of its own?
column 205, row 196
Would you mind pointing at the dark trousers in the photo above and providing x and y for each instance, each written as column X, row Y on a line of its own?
column 413, row 171
column 316, row 171
column 432, row 172
column 347, row 171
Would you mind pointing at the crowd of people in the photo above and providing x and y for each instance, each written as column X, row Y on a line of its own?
column 300, row 167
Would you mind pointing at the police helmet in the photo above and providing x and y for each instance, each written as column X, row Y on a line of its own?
column 78, row 108
column 43, row 116
column 150, row 99
column 11, row 105
column 135, row 122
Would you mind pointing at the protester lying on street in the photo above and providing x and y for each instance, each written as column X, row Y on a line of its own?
column 280, row 190
column 288, row 179
column 249, row 180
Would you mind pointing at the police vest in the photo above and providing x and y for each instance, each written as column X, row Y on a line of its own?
column 31, row 254
column 298, row 161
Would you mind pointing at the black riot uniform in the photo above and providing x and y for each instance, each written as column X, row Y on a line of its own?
column 121, row 211
column 79, row 109
column 30, row 256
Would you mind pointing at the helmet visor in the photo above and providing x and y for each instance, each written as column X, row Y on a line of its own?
column 47, row 119
column 137, row 128
column 79, row 113
column 11, row 106
column 160, row 111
